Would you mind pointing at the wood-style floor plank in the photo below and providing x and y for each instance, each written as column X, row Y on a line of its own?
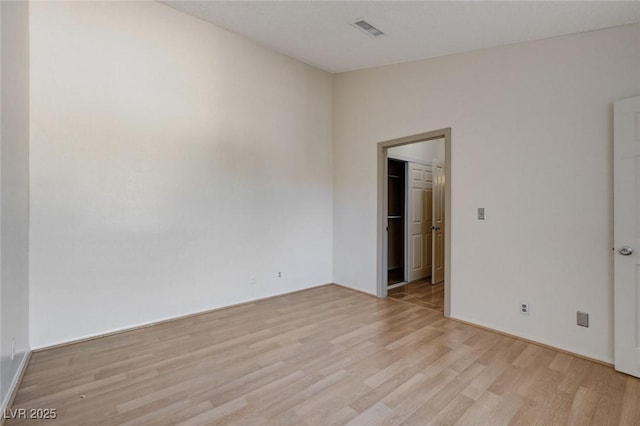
column 326, row 355
column 422, row 293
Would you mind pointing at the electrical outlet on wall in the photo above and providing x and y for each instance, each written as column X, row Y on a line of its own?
column 583, row 319
column 481, row 215
column 524, row 308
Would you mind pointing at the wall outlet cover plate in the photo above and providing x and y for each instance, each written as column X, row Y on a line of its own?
column 583, row 319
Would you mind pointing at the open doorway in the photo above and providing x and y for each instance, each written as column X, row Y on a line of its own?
column 413, row 218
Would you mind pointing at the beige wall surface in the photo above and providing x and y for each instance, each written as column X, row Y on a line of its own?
column 175, row 168
column 532, row 143
column 176, row 162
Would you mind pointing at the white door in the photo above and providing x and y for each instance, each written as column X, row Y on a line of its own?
column 626, row 147
column 438, row 222
column 428, row 240
column 419, row 220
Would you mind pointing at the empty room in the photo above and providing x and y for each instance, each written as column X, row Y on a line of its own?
column 310, row 212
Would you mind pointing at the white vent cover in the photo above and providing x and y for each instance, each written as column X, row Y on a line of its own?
column 367, row 28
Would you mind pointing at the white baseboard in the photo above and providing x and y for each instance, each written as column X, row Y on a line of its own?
column 15, row 383
column 107, row 333
column 537, row 340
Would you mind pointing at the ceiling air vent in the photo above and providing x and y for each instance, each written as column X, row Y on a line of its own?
column 365, row 26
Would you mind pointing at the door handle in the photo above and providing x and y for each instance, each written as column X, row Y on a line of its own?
column 625, row 251
column 435, row 228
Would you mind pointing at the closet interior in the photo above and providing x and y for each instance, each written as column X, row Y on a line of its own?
column 396, row 221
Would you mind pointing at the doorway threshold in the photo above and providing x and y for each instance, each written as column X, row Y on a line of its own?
column 400, row 284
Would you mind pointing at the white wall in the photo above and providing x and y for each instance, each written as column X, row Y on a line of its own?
column 532, row 143
column 172, row 164
column 14, row 200
column 425, row 151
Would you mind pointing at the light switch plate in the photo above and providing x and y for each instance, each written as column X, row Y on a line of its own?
column 481, row 213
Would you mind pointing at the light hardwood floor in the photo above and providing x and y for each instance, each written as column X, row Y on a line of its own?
column 422, row 293
column 327, row 355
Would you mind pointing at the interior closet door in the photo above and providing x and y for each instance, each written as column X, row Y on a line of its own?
column 438, row 222
column 419, row 221
column 626, row 177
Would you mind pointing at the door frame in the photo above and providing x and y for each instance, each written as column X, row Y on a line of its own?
column 382, row 243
